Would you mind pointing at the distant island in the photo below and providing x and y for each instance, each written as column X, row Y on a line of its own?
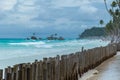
column 51, row 37
column 55, row 37
column 95, row 32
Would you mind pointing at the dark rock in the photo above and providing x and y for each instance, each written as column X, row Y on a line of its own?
column 40, row 38
column 28, row 38
column 34, row 38
column 55, row 38
column 61, row 38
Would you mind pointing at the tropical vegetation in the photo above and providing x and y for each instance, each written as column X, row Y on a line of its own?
column 96, row 32
column 113, row 26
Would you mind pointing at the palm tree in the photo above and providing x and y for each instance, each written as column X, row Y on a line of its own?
column 33, row 34
column 114, row 4
column 101, row 22
column 55, row 34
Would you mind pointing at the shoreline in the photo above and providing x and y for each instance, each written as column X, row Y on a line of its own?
column 88, row 74
column 105, row 70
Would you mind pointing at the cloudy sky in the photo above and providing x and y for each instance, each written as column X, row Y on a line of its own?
column 20, row 18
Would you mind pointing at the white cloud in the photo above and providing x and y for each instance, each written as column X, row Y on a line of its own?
column 84, row 5
column 84, row 26
column 64, row 3
column 88, row 9
column 61, row 21
column 29, row 2
column 26, row 9
column 18, row 11
column 22, row 12
column 7, row 4
column 69, row 3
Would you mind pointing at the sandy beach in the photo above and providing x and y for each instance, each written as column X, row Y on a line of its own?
column 108, row 70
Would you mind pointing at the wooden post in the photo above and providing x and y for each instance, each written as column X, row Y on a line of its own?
column 82, row 49
column 44, row 67
column 57, row 68
column 28, row 72
column 1, row 74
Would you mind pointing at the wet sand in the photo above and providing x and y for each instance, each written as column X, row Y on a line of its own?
column 108, row 70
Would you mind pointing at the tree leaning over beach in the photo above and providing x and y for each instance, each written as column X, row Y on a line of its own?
column 113, row 27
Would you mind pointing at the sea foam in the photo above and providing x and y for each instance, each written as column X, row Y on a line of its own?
column 28, row 43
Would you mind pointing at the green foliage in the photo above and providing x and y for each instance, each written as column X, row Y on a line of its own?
column 109, row 28
column 114, row 4
column 93, row 32
column 113, row 27
column 101, row 22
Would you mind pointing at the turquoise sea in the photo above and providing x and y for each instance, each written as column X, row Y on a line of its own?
column 15, row 51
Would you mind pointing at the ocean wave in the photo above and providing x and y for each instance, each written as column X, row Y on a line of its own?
column 39, row 44
column 77, row 42
column 28, row 43
column 44, row 46
column 63, row 44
